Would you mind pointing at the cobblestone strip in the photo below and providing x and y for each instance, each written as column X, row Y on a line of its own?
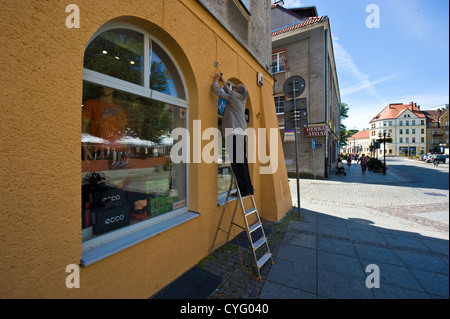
column 409, row 212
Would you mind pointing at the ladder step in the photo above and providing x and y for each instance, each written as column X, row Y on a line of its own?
column 263, row 260
column 254, row 227
column 250, row 211
column 259, row 243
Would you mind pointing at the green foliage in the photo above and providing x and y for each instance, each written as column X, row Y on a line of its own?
column 374, row 163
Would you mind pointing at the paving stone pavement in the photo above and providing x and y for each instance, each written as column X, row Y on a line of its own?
column 353, row 232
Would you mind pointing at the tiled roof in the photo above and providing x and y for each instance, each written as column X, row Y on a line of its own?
column 298, row 25
column 434, row 115
column 393, row 111
column 359, row 135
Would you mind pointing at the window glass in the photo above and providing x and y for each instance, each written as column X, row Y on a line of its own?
column 246, row 4
column 224, row 176
column 279, row 104
column 117, row 53
column 164, row 76
column 281, row 62
column 127, row 174
column 278, row 62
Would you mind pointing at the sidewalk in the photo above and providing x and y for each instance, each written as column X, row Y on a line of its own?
column 328, row 256
column 335, row 250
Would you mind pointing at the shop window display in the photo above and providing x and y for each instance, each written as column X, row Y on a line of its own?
column 127, row 174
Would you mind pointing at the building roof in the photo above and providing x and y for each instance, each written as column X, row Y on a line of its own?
column 360, row 135
column 298, row 25
column 393, row 111
column 289, row 19
column 434, row 115
column 301, row 11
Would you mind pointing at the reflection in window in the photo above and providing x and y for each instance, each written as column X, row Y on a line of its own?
column 127, row 174
column 279, row 104
column 164, row 76
column 117, row 53
column 278, row 62
column 224, row 167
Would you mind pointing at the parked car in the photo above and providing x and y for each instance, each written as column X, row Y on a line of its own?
column 440, row 158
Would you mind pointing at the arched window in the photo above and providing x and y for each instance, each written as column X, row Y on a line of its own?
column 133, row 97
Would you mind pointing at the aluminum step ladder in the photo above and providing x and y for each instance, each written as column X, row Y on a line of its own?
column 260, row 247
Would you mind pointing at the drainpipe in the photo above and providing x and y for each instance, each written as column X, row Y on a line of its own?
column 326, row 102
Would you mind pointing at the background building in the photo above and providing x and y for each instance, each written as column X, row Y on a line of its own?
column 359, row 143
column 405, row 124
column 302, row 46
column 437, row 130
column 152, row 63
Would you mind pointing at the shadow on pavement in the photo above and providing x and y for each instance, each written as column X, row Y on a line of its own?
column 326, row 256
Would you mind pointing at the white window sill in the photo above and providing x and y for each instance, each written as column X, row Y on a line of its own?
column 100, row 252
column 221, row 201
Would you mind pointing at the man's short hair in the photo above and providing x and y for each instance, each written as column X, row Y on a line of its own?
column 242, row 90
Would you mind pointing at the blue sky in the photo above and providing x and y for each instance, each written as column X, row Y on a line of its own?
column 405, row 60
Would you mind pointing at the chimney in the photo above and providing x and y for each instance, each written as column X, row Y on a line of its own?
column 410, row 106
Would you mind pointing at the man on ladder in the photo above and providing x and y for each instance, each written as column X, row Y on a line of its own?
column 234, row 129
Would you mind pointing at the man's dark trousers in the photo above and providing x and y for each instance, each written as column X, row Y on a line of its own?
column 239, row 165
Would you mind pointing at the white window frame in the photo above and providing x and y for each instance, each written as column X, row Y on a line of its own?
column 100, row 247
column 278, row 61
column 280, row 98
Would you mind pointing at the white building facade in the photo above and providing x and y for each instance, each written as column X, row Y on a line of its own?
column 405, row 124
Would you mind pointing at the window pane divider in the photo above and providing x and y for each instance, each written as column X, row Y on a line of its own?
column 121, row 85
column 147, row 66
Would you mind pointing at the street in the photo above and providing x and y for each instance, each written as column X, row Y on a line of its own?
column 411, row 190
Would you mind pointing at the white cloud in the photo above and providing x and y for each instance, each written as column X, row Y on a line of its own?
column 345, row 63
column 367, row 84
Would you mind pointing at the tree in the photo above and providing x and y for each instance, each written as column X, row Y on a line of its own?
column 343, row 115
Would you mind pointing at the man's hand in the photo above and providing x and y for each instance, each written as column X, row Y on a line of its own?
column 219, row 77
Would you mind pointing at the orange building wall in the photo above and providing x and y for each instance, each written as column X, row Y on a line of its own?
column 40, row 194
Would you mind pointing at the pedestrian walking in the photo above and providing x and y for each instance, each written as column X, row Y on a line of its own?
column 363, row 161
column 349, row 160
column 435, row 161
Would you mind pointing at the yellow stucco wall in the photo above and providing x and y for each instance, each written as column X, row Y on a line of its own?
column 40, row 195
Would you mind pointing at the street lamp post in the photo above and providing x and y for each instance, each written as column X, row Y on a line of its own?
column 384, row 149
